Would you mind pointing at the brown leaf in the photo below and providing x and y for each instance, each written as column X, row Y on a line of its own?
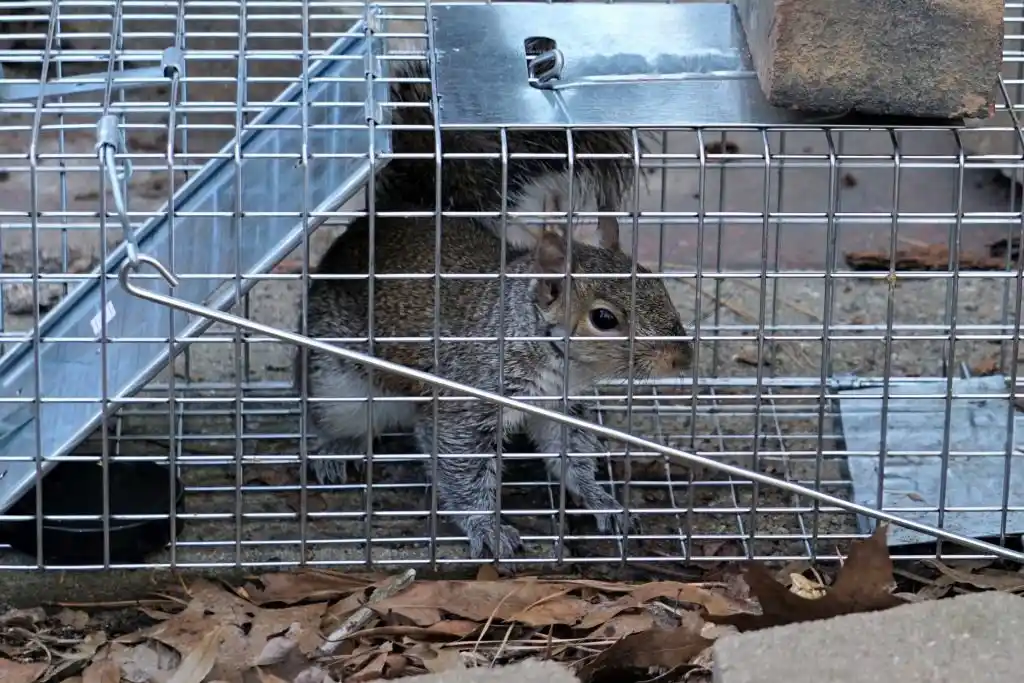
column 864, row 584
column 623, row 625
column 102, row 671
column 148, row 662
column 278, row 648
column 250, row 627
column 372, row 671
column 487, row 572
column 533, row 603
column 713, row 603
column 26, row 618
column 445, row 659
column 306, row 586
column 17, row 672
column 199, row 662
column 155, row 614
column 986, row 579
column 633, row 657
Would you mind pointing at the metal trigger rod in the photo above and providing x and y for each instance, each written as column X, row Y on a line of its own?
column 129, row 268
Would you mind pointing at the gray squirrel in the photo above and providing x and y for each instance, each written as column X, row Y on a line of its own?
column 532, row 307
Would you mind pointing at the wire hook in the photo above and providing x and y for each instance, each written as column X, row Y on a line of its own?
column 132, row 268
column 109, row 141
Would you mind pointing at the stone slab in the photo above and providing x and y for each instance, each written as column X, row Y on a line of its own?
column 977, row 638
column 922, row 58
column 527, row 671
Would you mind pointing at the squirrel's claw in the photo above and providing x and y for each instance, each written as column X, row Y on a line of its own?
column 481, row 540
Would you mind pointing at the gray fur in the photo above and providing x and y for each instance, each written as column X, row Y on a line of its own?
column 533, row 306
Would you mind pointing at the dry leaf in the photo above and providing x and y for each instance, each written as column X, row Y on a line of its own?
column 102, row 671
column 623, row 625
column 148, row 662
column 267, row 677
column 16, row 672
column 864, row 584
column 986, row 579
column 445, row 659
column 278, row 648
column 73, row 618
column 372, row 671
column 487, row 572
column 806, row 588
column 634, row 657
column 713, row 603
column 249, row 628
column 290, row 588
column 155, row 614
column 26, row 618
column 199, row 662
column 533, row 603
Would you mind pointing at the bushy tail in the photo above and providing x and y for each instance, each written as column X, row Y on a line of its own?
column 476, row 184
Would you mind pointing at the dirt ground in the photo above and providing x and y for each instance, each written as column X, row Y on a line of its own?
column 232, row 517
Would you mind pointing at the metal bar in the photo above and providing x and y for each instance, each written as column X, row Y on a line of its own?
column 127, row 270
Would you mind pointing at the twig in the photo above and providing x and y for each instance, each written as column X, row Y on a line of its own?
column 504, row 644
column 117, row 604
column 365, row 613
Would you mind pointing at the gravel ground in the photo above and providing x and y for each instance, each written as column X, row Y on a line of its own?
column 711, row 514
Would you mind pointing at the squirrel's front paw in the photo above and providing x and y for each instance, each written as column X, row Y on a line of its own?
column 481, row 538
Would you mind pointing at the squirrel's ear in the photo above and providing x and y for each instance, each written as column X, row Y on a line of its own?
column 549, row 253
column 549, row 257
column 608, row 233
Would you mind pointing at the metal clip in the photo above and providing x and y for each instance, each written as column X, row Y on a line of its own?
column 109, row 142
column 172, row 63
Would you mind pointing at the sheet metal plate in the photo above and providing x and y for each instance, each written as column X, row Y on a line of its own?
column 482, row 66
column 918, row 424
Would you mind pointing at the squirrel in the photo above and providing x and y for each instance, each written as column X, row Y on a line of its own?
column 527, row 305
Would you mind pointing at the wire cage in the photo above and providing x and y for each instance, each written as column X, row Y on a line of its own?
column 852, row 292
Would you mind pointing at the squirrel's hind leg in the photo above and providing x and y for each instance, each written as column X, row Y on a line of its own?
column 469, row 483
column 341, row 427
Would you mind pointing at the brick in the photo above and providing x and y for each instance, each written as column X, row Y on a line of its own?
column 927, row 58
column 527, row 671
column 977, row 638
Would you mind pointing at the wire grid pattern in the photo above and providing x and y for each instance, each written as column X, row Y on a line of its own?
column 749, row 228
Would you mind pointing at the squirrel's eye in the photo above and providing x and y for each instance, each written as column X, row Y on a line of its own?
column 603, row 319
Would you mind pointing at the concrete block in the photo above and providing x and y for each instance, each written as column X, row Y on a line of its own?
column 977, row 637
column 527, row 671
column 927, row 58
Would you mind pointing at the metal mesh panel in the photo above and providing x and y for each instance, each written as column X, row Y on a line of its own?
column 761, row 237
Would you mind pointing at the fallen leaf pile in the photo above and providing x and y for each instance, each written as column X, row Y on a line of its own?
column 321, row 627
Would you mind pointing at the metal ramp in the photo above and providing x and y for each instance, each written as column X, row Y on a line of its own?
column 68, row 358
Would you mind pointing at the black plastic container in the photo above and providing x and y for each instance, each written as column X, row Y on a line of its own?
column 76, row 488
